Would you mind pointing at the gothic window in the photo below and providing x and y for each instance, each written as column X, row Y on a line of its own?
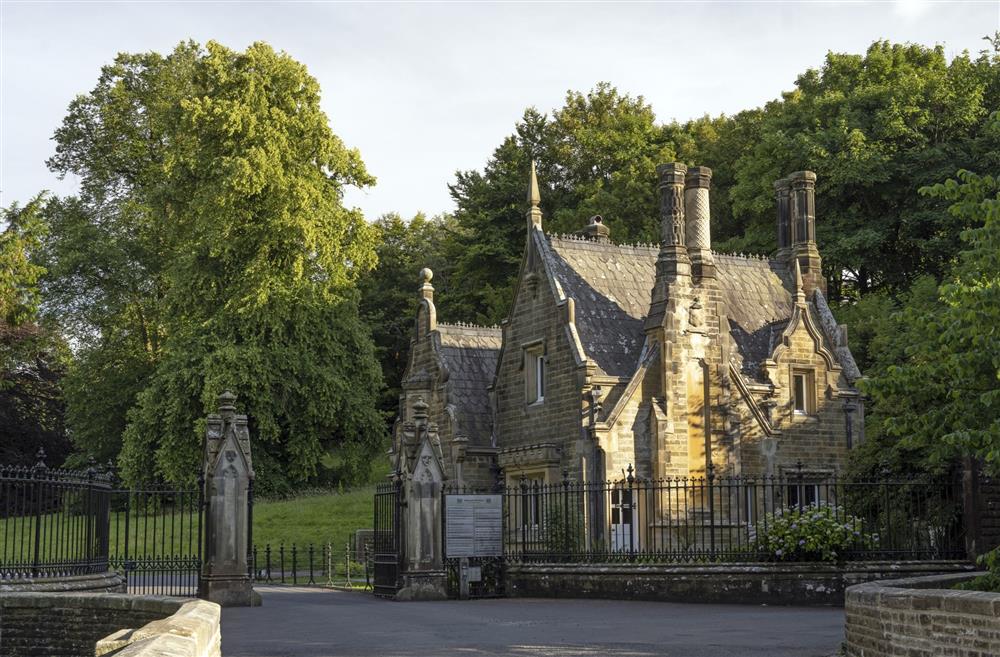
column 800, row 495
column 534, row 374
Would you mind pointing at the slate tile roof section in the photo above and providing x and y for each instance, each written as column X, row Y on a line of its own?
column 758, row 296
column 611, row 285
column 470, row 355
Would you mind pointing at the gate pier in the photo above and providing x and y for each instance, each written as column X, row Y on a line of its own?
column 228, row 474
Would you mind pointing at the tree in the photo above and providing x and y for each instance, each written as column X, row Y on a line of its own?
column 943, row 397
column 595, row 155
column 875, row 128
column 32, row 358
column 209, row 249
column 389, row 292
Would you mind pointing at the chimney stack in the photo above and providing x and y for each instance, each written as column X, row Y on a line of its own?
column 802, row 222
column 672, row 263
column 698, row 234
column 596, row 230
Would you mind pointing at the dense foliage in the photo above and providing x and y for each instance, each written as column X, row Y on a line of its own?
column 32, row 357
column 209, row 249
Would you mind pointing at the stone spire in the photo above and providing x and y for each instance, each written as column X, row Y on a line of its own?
column 534, row 198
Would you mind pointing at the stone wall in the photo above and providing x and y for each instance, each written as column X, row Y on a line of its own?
column 921, row 617
column 769, row 583
column 109, row 582
column 72, row 624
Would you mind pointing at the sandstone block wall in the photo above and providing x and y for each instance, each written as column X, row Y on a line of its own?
column 72, row 624
column 921, row 617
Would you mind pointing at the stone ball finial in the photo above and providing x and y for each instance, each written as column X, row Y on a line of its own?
column 227, row 402
column 426, row 275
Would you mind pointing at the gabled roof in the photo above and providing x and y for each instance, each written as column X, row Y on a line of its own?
column 469, row 354
column 612, row 285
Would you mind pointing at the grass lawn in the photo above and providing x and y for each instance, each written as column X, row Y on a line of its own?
column 317, row 519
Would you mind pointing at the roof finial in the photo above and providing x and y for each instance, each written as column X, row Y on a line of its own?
column 534, row 198
column 800, row 295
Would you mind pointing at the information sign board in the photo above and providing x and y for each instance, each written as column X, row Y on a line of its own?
column 473, row 526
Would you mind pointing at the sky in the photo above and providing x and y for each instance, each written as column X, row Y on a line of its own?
column 425, row 89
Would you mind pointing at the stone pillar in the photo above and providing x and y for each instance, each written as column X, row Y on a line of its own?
column 698, row 233
column 420, row 468
column 228, row 476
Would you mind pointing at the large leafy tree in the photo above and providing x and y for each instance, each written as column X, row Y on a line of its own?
column 389, row 292
column 209, row 249
column 941, row 398
column 32, row 358
column 876, row 128
column 595, row 155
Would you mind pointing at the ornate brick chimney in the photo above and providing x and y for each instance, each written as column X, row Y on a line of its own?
column 596, row 230
column 698, row 234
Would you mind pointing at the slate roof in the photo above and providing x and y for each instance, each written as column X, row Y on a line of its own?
column 612, row 287
column 470, row 355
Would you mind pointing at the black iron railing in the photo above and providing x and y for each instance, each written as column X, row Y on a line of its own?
column 733, row 519
column 53, row 522
column 309, row 565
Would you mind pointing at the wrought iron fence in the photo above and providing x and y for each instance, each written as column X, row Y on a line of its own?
column 157, row 539
column 733, row 519
column 309, row 565
column 53, row 522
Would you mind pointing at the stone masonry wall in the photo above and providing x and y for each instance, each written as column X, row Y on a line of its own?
column 558, row 419
column 70, row 624
column 921, row 617
column 765, row 583
column 818, row 439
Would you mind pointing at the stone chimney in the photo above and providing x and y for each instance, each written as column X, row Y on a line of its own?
column 596, row 230
column 672, row 263
column 802, row 222
column 698, row 234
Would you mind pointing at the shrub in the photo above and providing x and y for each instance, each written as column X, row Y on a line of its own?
column 991, row 580
column 811, row 533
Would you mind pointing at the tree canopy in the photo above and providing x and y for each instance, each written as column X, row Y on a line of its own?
column 209, row 249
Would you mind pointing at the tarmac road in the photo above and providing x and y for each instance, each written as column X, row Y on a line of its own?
column 298, row 621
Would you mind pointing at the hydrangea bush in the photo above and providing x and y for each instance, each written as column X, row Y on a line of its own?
column 811, row 533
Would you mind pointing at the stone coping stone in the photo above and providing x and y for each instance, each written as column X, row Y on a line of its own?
column 111, row 601
column 925, row 593
column 790, row 567
column 193, row 630
column 109, row 581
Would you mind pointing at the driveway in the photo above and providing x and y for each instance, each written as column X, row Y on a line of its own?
column 299, row 621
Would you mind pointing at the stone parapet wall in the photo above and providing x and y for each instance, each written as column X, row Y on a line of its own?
column 764, row 583
column 921, row 617
column 109, row 582
column 194, row 630
column 72, row 624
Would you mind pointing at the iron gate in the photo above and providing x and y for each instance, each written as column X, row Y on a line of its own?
column 387, row 541
column 157, row 538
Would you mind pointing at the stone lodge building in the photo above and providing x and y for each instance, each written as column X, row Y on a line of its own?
column 672, row 358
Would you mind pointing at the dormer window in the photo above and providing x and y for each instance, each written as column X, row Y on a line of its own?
column 803, row 392
column 534, row 374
